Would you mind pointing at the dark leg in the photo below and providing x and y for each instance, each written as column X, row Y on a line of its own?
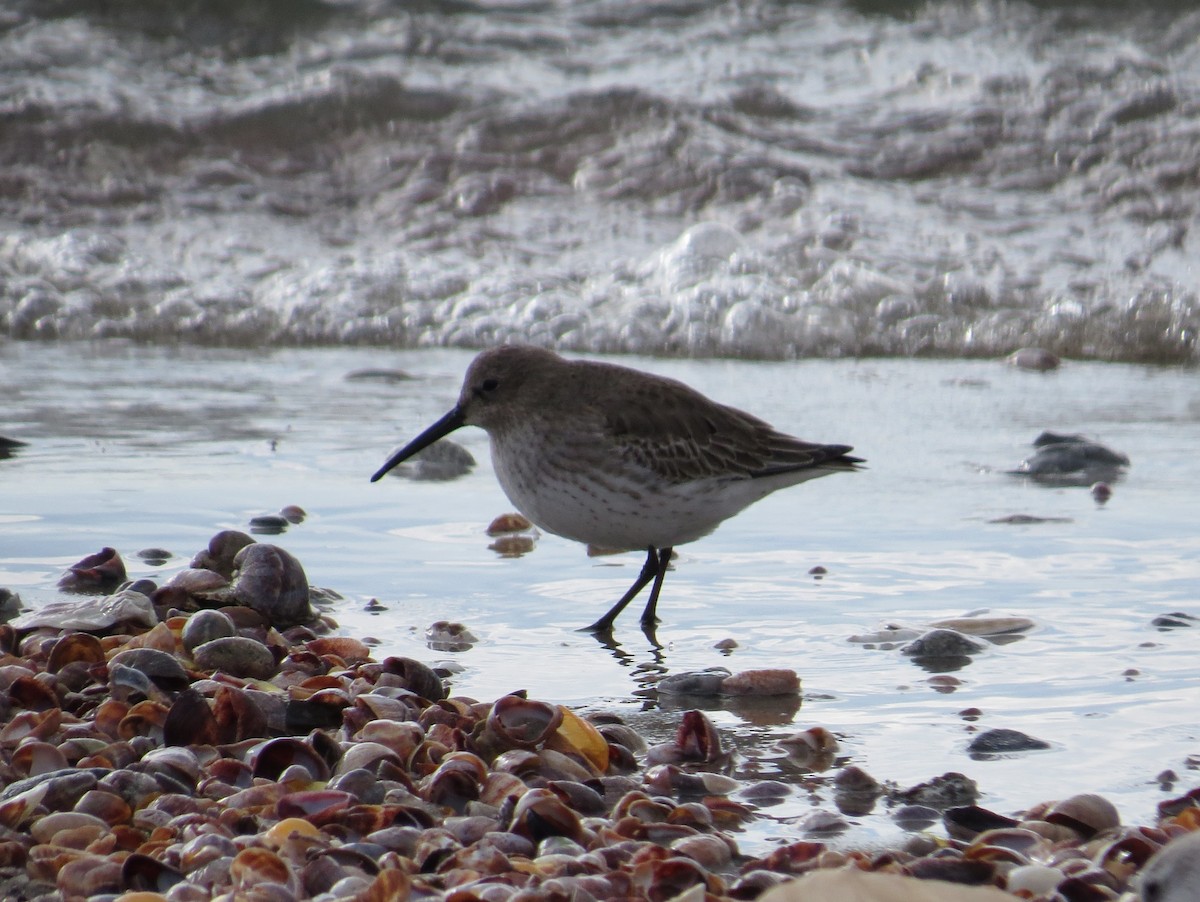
column 649, row 618
column 650, row 571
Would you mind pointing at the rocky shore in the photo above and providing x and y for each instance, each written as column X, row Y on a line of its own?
column 215, row 738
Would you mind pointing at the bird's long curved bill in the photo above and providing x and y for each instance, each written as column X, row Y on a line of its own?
column 447, row 424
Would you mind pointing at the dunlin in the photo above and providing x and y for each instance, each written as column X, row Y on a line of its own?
column 621, row 459
column 1173, row 874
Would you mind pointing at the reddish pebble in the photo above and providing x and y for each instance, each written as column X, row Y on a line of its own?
column 506, row 523
column 762, row 682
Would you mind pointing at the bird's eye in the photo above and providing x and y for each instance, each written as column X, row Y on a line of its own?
column 489, row 385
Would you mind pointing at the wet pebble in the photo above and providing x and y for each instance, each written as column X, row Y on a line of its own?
column 1072, row 460
column 508, row 523
column 271, row 581
column 237, row 656
column 701, row 682
column 942, row 643
column 161, row 668
column 1036, row 359
column 205, row 626
column 94, row 614
column 447, row 636
column 1174, row 620
column 1004, row 742
column 948, row 790
column 1086, row 813
column 386, row 377
column 440, row 462
column 268, row 524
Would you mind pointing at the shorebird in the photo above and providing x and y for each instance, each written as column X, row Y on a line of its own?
column 1173, row 874
column 621, row 459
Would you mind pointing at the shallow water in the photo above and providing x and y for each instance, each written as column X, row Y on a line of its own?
column 140, row 447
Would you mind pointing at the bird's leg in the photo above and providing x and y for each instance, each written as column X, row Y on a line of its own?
column 650, row 570
column 649, row 618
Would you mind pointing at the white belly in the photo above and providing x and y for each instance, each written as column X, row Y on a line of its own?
column 615, row 507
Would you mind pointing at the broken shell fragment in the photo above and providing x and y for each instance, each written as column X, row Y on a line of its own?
column 99, row 572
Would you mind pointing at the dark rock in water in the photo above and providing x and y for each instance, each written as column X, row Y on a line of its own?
column 1174, row 620
column 274, row 524
column 9, row 447
column 942, row 643
column 703, row 682
column 387, row 377
column 268, row 524
column 440, row 462
column 1037, row 359
column 155, row 557
column 1057, row 438
column 99, row 572
column 1072, row 460
column 1004, row 742
column 273, row 583
column 1028, row 519
column 446, row 636
column 947, row 791
column 1069, row 448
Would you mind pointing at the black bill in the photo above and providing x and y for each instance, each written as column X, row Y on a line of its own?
column 447, row 424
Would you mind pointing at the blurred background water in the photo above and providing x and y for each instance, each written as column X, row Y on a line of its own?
column 211, row 214
column 687, row 177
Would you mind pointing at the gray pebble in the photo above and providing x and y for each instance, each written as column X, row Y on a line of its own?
column 204, row 626
column 237, row 656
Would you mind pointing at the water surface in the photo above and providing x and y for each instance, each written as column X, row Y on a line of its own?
column 138, row 447
column 691, row 177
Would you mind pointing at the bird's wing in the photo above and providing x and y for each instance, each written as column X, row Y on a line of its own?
column 683, row 436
